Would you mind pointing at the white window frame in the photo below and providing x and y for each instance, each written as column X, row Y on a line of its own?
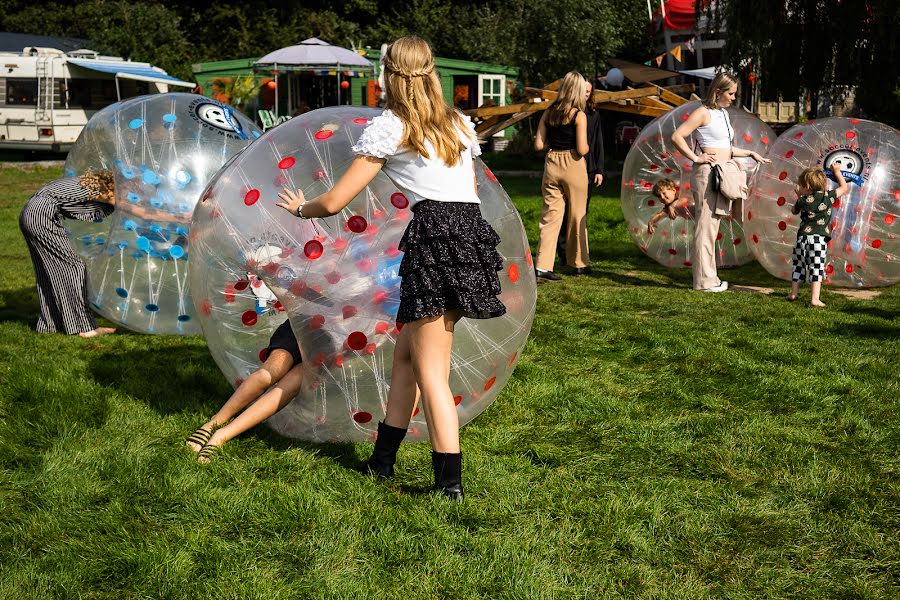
column 482, row 96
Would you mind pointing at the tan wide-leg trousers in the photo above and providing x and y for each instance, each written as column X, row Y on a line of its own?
column 706, row 228
column 565, row 182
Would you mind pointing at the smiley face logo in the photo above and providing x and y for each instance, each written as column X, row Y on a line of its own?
column 848, row 161
column 216, row 115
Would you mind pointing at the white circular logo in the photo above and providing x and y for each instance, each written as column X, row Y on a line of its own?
column 214, row 115
column 847, row 160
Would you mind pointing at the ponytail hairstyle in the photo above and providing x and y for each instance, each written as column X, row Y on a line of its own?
column 721, row 83
column 100, row 184
column 571, row 95
column 413, row 93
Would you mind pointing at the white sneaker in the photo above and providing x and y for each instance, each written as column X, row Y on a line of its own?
column 723, row 285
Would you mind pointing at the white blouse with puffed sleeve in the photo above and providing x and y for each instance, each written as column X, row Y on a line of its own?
column 421, row 178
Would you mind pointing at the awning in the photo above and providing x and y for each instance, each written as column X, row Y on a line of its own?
column 638, row 73
column 131, row 71
column 705, row 73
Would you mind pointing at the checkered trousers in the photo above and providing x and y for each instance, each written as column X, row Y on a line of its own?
column 810, row 254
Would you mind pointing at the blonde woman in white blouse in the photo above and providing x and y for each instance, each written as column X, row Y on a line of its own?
column 428, row 150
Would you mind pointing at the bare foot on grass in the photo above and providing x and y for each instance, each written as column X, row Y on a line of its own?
column 98, row 331
column 791, row 298
column 817, row 304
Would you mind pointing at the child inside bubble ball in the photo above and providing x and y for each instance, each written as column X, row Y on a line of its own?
column 428, row 150
column 270, row 388
column 667, row 192
column 814, row 204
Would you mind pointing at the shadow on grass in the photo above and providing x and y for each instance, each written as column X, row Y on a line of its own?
column 860, row 330
column 871, row 311
column 19, row 306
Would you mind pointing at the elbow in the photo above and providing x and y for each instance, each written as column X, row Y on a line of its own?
column 675, row 138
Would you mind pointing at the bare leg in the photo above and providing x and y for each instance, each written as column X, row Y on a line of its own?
column 431, row 340
column 275, row 367
column 816, row 287
column 403, row 393
column 268, row 404
column 795, row 289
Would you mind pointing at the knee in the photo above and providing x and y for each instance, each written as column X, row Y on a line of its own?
column 263, row 377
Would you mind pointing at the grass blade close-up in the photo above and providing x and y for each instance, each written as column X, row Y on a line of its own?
column 653, row 442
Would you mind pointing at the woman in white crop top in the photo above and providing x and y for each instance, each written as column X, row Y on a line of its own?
column 450, row 261
column 712, row 129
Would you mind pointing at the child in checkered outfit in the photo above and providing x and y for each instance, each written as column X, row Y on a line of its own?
column 814, row 204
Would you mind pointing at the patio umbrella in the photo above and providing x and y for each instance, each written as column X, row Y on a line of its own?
column 313, row 54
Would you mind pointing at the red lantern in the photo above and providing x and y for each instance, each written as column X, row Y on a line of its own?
column 751, row 77
column 271, row 85
column 345, row 85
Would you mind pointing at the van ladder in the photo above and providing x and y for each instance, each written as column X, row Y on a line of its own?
column 44, row 89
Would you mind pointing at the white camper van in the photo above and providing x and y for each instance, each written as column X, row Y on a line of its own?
column 47, row 95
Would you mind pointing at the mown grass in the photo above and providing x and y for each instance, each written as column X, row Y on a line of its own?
column 653, row 442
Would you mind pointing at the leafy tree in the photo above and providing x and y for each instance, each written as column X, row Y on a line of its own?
column 817, row 46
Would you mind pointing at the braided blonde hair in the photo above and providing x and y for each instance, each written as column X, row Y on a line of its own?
column 100, row 184
column 414, row 95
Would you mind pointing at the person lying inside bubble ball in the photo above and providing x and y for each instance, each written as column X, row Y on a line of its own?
column 667, row 192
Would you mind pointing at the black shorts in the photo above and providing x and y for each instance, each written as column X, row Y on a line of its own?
column 284, row 339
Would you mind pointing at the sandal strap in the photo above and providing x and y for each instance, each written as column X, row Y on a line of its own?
column 208, row 451
column 200, row 437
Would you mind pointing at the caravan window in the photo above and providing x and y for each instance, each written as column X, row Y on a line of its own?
column 97, row 93
column 21, row 92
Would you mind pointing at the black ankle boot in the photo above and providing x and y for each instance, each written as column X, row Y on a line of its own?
column 448, row 474
column 381, row 463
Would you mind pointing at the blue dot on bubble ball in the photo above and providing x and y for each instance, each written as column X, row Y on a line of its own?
column 133, row 198
column 170, row 118
column 127, row 173
column 143, row 243
column 122, row 292
column 70, row 172
column 150, row 178
column 136, row 123
column 176, row 251
column 129, row 225
column 152, row 307
column 184, row 318
column 122, row 245
column 183, row 177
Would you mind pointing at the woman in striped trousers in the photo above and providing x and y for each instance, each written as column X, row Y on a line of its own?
column 59, row 271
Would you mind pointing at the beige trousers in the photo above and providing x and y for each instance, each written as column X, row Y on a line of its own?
column 706, row 228
column 565, row 183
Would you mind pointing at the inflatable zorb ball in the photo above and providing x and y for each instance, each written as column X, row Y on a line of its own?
column 162, row 150
column 652, row 157
column 337, row 281
column 864, row 250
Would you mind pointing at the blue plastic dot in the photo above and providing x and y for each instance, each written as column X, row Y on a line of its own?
column 122, row 292
column 183, row 177
column 86, row 239
column 118, row 163
column 100, row 241
column 184, row 318
column 137, row 255
column 181, row 230
column 135, row 123
column 152, row 307
column 176, row 251
column 129, row 225
column 133, row 198
column 70, row 172
column 170, row 118
column 127, row 173
column 150, row 178
column 183, row 207
column 143, row 243
column 155, row 228
column 156, row 202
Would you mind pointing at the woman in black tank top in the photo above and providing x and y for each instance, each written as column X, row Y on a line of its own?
column 563, row 131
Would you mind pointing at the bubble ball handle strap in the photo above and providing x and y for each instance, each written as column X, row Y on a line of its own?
column 229, row 114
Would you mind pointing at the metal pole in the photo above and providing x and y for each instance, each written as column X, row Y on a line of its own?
column 276, row 89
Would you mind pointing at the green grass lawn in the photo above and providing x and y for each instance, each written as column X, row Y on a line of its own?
column 653, row 442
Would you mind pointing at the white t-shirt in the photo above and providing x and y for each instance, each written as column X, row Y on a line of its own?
column 421, row 178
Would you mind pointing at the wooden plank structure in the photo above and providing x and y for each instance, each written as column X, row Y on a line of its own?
column 650, row 100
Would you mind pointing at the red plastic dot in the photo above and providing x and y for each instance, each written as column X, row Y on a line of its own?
column 323, row 134
column 370, row 349
column 765, row 140
column 399, row 200
column 688, row 263
column 782, row 225
column 313, row 249
column 349, row 311
column 513, row 273
column 749, row 215
column 783, row 175
column 789, row 154
column 651, row 202
column 362, row 417
column 287, row 162
column 241, row 285
column 357, row 224
column 673, row 251
column 381, row 327
column 876, row 243
column 850, row 135
column 528, row 258
column 249, row 318
column 747, row 137
column 664, row 155
column 360, row 120
column 316, row 321
column 490, row 383
column 263, row 354
column 849, row 268
column 339, row 360
column 829, row 269
column 251, row 197
column 278, row 306
column 889, row 219
column 357, row 340
column 737, row 241
column 490, row 175
column 897, row 195
column 206, row 306
column 654, row 167
column 798, row 135
column 513, row 358
column 718, row 236
column 837, row 203
column 332, row 277
column 457, row 400
column 298, row 288
column 379, row 296
column 685, row 116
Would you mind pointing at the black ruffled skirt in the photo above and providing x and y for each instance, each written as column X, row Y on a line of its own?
column 450, row 262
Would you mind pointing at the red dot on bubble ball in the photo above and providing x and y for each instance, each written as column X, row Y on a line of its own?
column 490, row 174
column 241, row 285
column 379, row 297
column 782, row 225
column 360, row 120
column 513, row 359
column 654, row 168
column 755, row 239
column 316, row 321
column 737, row 241
column 251, row 197
column 829, row 269
column 782, row 176
column 323, row 134
column 249, row 318
column 381, row 327
column 685, row 116
column 313, row 249
column 263, row 354
column 765, row 140
column 876, row 243
column 781, row 201
column 789, row 154
column 747, row 137
column 850, row 135
column 849, row 268
column 333, row 277
column 798, row 135
column 286, row 162
column 349, row 311
column 897, row 195
column 362, row 417
column 673, row 251
column 513, row 273
column 749, row 215
column 357, row 224
column 688, row 263
column 206, row 307
column 490, row 383
column 399, row 200
column 718, row 236
column 457, row 400
column 889, row 219
column 651, row 202
column 357, row 340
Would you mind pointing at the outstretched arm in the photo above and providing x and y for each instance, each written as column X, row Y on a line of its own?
column 738, row 152
column 362, row 171
column 843, row 187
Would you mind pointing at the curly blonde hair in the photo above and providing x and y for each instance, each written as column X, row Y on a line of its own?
column 813, row 179
column 414, row 95
column 100, row 184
